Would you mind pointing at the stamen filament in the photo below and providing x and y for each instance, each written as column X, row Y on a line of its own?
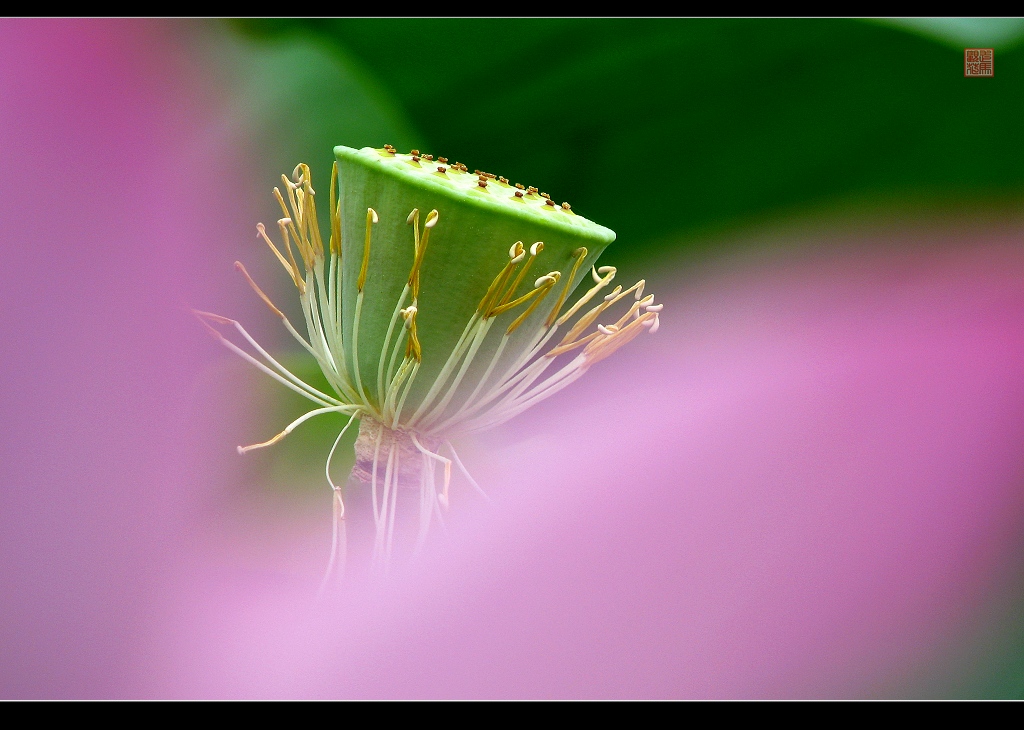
column 297, row 422
column 288, row 379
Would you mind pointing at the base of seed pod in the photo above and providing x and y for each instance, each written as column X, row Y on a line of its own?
column 376, row 441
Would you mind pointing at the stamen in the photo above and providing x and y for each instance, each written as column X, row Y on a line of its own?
column 412, row 348
column 264, row 297
column 285, row 376
column 465, row 471
column 394, row 500
column 284, row 224
column 371, row 218
column 498, row 284
column 337, row 540
column 335, row 213
column 513, row 304
column 289, row 216
column 421, row 251
column 261, row 232
column 582, row 301
column 600, row 349
column 414, row 368
column 547, row 286
column 447, row 467
column 535, row 249
column 580, row 254
column 294, row 424
column 399, row 312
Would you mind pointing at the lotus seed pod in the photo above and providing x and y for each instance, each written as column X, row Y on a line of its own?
column 442, row 303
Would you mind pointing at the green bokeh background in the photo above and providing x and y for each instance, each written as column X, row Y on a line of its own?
column 674, row 133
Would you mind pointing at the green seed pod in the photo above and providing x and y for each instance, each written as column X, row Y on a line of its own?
column 478, row 220
column 433, row 310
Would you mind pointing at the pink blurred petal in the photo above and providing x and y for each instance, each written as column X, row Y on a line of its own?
column 109, row 214
column 807, row 484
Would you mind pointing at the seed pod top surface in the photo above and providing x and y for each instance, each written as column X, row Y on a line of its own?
column 490, row 193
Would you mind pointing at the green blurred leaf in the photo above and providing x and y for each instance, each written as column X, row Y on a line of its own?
column 662, row 129
column 291, row 100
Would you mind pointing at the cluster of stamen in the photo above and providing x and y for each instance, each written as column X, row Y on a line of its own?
column 466, row 395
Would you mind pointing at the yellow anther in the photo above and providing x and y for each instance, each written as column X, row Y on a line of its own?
column 287, row 215
column 516, row 253
column 535, row 249
column 421, row 250
column 501, row 309
column 314, row 224
column 335, row 213
column 412, row 347
column 580, row 254
column 262, row 295
column 495, row 288
column 285, row 224
column 261, row 231
column 601, row 348
column 371, row 218
column 555, row 275
column 271, row 442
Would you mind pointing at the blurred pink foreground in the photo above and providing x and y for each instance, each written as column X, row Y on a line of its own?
column 807, row 484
